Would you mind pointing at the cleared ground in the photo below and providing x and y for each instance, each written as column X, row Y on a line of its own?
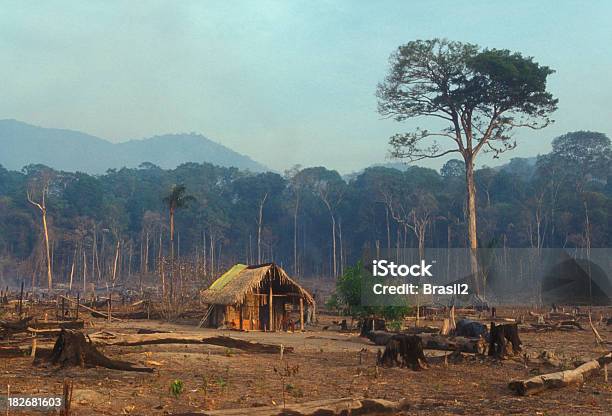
column 328, row 366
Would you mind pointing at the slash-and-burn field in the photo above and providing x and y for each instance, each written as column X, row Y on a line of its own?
column 317, row 364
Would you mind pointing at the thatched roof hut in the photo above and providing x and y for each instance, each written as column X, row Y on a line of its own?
column 255, row 297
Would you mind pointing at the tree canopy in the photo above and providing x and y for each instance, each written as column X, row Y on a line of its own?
column 88, row 214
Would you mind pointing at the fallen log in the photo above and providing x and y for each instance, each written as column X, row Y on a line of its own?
column 437, row 342
column 131, row 340
column 13, row 351
column 73, row 349
column 245, row 345
column 25, row 325
column 422, row 330
column 450, row 343
column 127, row 315
column 559, row 379
column 151, row 331
column 20, row 351
column 330, row 407
column 93, row 311
column 7, row 328
column 379, row 337
column 58, row 324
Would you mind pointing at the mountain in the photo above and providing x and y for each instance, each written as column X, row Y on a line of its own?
column 23, row 144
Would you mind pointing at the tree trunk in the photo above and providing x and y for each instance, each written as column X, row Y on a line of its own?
column 171, row 252
column 84, row 274
column 471, row 220
column 334, row 245
column 461, row 344
column 49, row 266
column 161, row 266
column 559, row 379
column 72, row 269
column 388, row 228
column 341, row 406
column 437, row 342
column 259, row 226
column 132, row 340
column 115, row 264
column 73, row 349
column 295, row 236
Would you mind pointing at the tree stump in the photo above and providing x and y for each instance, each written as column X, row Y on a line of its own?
column 73, row 349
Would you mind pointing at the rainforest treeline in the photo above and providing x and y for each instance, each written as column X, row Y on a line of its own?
column 312, row 221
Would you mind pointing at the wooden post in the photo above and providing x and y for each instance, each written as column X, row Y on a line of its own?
column 240, row 312
column 33, row 352
column 271, row 325
column 21, row 299
column 77, row 305
column 63, row 309
column 302, row 314
column 110, row 306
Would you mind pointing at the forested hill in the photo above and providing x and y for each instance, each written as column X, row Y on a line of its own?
column 68, row 150
column 259, row 217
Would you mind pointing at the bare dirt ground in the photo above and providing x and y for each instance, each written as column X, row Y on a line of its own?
column 328, row 366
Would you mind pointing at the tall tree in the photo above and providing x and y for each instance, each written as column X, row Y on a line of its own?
column 478, row 95
column 296, row 184
column 176, row 199
column 42, row 182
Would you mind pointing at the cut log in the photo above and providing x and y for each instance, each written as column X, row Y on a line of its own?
column 25, row 325
column 151, row 331
column 7, row 328
column 437, row 342
column 245, row 345
column 461, row 344
column 559, row 379
column 77, row 324
column 73, row 349
column 13, row 351
column 329, row 407
column 379, row 337
column 130, row 340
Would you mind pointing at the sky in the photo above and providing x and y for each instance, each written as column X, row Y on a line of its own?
column 284, row 82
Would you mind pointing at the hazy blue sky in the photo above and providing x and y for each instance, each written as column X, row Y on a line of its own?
column 284, row 82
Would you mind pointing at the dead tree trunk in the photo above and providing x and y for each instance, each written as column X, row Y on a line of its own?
column 42, row 206
column 259, row 226
column 559, row 379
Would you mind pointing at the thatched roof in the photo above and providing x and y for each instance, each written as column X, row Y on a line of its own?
column 233, row 285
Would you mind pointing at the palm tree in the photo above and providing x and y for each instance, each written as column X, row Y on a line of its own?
column 177, row 199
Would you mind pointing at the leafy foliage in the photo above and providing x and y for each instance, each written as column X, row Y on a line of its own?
column 177, row 388
column 348, row 294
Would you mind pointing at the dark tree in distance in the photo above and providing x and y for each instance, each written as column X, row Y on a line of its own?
column 453, row 168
